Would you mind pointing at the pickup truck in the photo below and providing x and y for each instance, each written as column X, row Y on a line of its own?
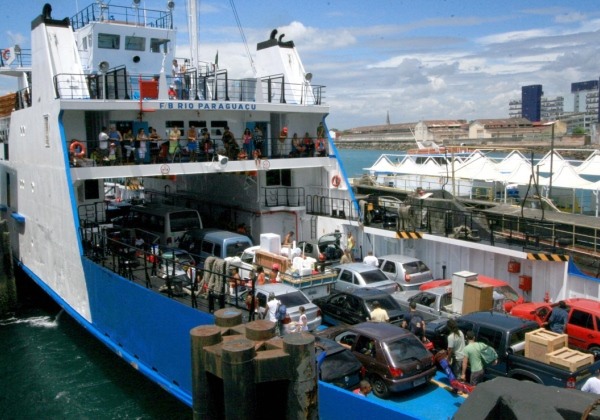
column 435, row 302
column 431, row 303
column 583, row 322
column 506, row 334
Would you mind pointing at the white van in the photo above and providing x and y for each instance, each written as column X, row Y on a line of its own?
column 168, row 222
column 209, row 242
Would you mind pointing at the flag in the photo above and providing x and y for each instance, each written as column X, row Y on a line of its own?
column 217, row 59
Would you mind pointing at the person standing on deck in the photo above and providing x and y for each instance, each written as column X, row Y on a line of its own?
column 456, row 346
column 350, row 245
column 558, row 318
column 174, row 136
column 371, row 259
column 115, row 137
column 192, row 136
column 472, row 357
column 378, row 314
column 103, row 142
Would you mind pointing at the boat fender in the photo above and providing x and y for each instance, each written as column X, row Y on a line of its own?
column 336, row 181
column 77, row 149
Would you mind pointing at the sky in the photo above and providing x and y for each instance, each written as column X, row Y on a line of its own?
column 416, row 60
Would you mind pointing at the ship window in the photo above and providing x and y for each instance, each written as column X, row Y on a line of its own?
column 84, row 43
column 109, row 41
column 46, row 130
column 92, row 189
column 156, row 43
column 281, row 177
column 135, row 43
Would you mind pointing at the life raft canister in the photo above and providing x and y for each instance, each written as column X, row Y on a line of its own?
column 336, row 181
column 77, row 149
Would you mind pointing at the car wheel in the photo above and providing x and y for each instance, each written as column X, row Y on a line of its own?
column 379, row 387
column 595, row 350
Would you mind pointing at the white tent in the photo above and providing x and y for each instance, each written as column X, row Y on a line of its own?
column 383, row 164
column 510, row 163
column 591, row 166
column 543, row 165
column 477, row 166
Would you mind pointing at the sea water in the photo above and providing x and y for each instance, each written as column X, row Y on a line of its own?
column 52, row 368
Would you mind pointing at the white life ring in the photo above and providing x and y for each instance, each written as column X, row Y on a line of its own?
column 6, row 54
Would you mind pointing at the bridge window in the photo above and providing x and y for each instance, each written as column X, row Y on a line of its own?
column 135, row 43
column 156, row 43
column 109, row 41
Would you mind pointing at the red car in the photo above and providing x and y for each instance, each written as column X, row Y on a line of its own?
column 583, row 324
column 511, row 297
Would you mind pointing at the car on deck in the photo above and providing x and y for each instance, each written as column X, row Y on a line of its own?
column 337, row 365
column 408, row 272
column 394, row 359
column 355, row 275
column 355, row 306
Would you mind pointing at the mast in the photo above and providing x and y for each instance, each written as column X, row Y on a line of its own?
column 193, row 32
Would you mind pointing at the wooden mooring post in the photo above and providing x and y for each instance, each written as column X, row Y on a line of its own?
column 232, row 361
column 8, row 288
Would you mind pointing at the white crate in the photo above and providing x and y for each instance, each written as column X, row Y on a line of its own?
column 270, row 242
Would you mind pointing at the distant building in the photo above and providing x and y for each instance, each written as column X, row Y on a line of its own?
column 507, row 128
column 550, row 108
column 531, row 102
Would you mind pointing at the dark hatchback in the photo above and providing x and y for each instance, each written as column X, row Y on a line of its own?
column 355, row 306
column 339, row 365
column 394, row 359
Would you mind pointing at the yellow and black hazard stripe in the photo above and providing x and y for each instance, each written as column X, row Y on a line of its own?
column 403, row 234
column 547, row 257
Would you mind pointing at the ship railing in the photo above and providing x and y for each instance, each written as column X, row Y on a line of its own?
column 129, row 15
column 22, row 57
column 146, row 264
column 341, row 208
column 23, row 99
column 275, row 89
column 270, row 150
column 283, row 196
column 192, row 85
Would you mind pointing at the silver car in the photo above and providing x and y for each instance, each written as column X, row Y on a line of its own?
column 293, row 299
column 353, row 275
column 408, row 272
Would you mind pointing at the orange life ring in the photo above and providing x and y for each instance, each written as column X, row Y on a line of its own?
column 77, row 149
column 336, row 181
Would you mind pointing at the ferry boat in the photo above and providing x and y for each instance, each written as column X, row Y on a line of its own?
column 110, row 66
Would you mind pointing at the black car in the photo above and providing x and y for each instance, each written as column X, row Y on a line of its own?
column 338, row 365
column 355, row 306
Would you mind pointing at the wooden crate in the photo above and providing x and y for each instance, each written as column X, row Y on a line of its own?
column 267, row 259
column 477, row 296
column 540, row 342
column 571, row 360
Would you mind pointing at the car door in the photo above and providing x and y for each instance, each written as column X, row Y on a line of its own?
column 356, row 312
column 336, row 309
column 345, row 281
column 389, row 268
column 493, row 338
column 581, row 329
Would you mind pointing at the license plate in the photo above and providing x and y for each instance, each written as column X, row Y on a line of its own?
column 419, row 381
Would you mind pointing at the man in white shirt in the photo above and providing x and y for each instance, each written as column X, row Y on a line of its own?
column 272, row 308
column 370, row 259
column 103, row 142
column 593, row 384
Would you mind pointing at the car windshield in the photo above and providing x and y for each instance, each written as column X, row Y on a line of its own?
column 236, row 249
column 293, row 299
column 508, row 292
column 373, row 276
column 405, row 348
column 387, row 302
column 415, row 267
column 247, row 257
